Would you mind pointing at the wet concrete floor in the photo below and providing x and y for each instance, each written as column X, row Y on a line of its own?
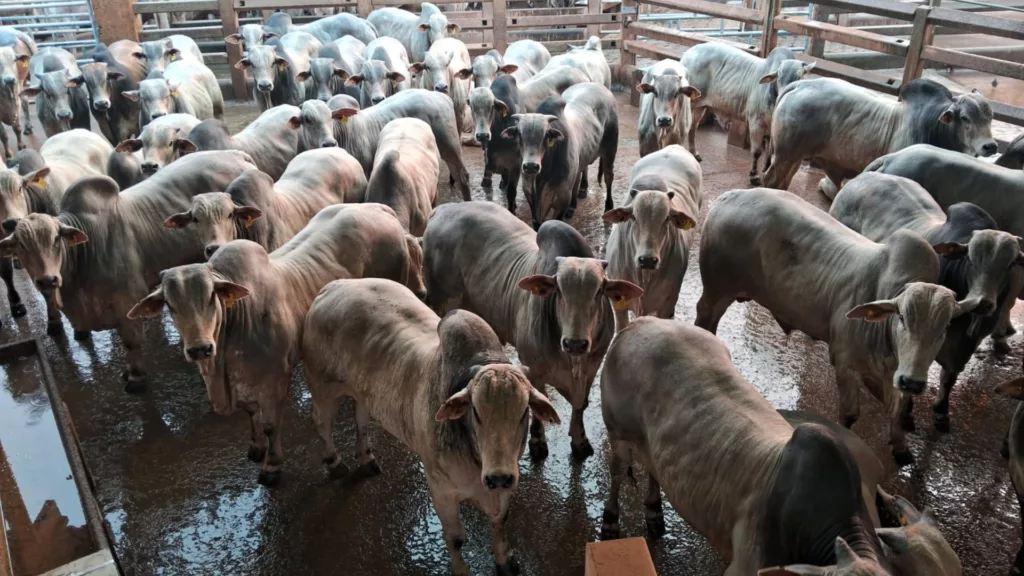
column 181, row 497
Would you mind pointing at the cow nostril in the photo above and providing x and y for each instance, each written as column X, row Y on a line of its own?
column 9, row 225
column 664, row 121
column 63, row 114
column 328, row 144
column 47, row 282
column 441, row 87
column 200, row 352
column 10, row 80
column 647, row 262
column 990, row 148
column 499, row 481
column 376, row 99
column 210, row 249
column 483, row 137
column 150, row 167
column 101, row 105
column 575, row 347
column 265, row 86
column 531, row 167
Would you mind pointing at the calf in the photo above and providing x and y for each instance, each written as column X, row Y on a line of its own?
column 250, row 35
column 523, row 59
column 827, row 275
column 358, row 132
column 650, row 244
column 254, row 207
column 740, row 86
column 16, row 50
column 405, row 173
column 221, row 309
column 558, row 144
column 63, row 100
column 113, row 72
column 107, row 255
column 271, row 140
column 543, row 292
column 163, row 141
column 980, row 263
column 441, row 70
column 337, row 61
column 846, row 127
column 449, row 368
column 280, row 70
column 187, row 87
column 384, row 72
column 157, row 55
column 664, row 106
column 761, row 491
column 492, row 108
column 589, row 58
column 417, row 32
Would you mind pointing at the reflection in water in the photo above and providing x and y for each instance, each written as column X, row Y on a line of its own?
column 35, row 477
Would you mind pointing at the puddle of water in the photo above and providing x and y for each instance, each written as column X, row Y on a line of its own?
column 43, row 515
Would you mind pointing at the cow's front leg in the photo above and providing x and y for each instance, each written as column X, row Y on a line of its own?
column 653, row 513
column 131, row 333
column 697, row 117
column 619, row 468
column 505, row 562
column 848, row 382
column 270, row 418
column 581, row 448
column 895, row 404
column 16, row 127
column 8, row 154
column 947, row 379
column 364, row 454
column 54, row 327
column 757, row 137
column 258, row 443
column 26, row 117
column 13, row 298
column 584, row 185
column 446, row 504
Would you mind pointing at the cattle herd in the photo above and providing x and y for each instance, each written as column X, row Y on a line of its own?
column 314, row 236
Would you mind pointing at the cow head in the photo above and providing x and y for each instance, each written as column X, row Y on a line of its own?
column 14, row 195
column 672, row 95
column 40, row 241
column 789, row 71
column 535, row 135
column 100, row 80
column 433, row 71
column 486, row 68
column 848, row 563
column 263, row 64
column 157, row 54
column 53, row 92
column 13, row 69
column 157, row 97
column 215, row 218
column 160, row 146
column 436, row 27
column 317, row 123
column 989, row 257
column 376, row 82
column 918, row 547
column 970, row 115
column 251, row 35
column 486, row 110
column 654, row 219
column 324, row 73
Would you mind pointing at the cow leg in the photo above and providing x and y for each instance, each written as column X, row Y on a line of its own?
column 131, row 334
column 3, row 140
column 258, row 447
column 581, row 192
column 848, row 382
column 54, row 327
column 324, row 409
column 710, row 313
column 1018, row 562
column 579, row 443
column 538, row 441
column 13, row 298
column 698, row 117
column 619, row 468
column 505, row 562
column 757, row 137
column 511, row 187
column 947, row 379
column 830, row 184
column 609, row 176
column 485, row 182
column 270, row 412
column 895, row 404
column 364, row 454
column 781, row 173
column 652, row 503
column 26, row 116
column 446, row 504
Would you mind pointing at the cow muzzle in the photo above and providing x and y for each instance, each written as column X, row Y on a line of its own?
column 500, row 481
column 376, row 100
column 10, row 80
column 910, row 385
column 63, row 114
column 329, row 144
column 664, row 122
column 989, row 148
column 441, row 87
column 648, row 262
column 149, row 168
column 101, row 105
column 531, row 168
column 209, row 250
column 265, row 86
column 156, row 115
column 575, row 346
column 199, row 353
column 483, row 137
column 48, row 283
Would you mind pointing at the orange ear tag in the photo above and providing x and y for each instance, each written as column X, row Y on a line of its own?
column 248, row 221
column 23, row 63
column 40, row 183
column 688, row 225
column 620, row 303
column 551, row 142
column 75, row 242
column 229, row 301
column 504, row 113
column 535, row 290
column 282, row 67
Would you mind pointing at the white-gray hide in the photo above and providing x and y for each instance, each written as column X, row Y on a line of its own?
column 846, row 127
column 417, row 32
column 280, row 70
column 405, row 172
column 187, row 87
column 876, row 305
column 13, row 73
column 528, row 57
column 163, row 141
column 589, row 58
column 452, row 396
column 254, row 207
column 650, row 242
column 440, row 71
column 358, row 132
column 157, row 55
column 384, row 72
column 337, row 61
column 551, row 81
column 665, row 115
column 249, row 36
column 241, row 314
column 736, row 85
column 325, row 29
column 62, row 99
column 271, row 140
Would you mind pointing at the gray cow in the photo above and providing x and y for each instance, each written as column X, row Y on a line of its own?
column 115, row 70
column 523, row 59
column 254, row 207
column 650, row 244
column 163, row 141
column 440, row 71
column 740, row 86
column 221, row 309
column 326, row 29
column 111, row 251
column 62, row 101
column 543, row 292
column 589, row 58
column 405, row 173
column 359, row 131
column 452, row 396
column 981, row 264
column 337, row 61
column 157, row 55
column 384, row 72
column 280, row 70
column 1015, row 389
column 761, row 491
column 417, row 32
column 187, row 87
column 826, row 276
column 271, row 140
column 16, row 50
column 846, row 127
column 560, row 142
column 665, row 114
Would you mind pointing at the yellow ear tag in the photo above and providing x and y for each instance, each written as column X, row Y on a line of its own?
column 551, row 142
column 248, row 221
column 229, row 301
column 344, row 119
column 282, row 66
column 620, row 304
column 688, row 225
column 23, row 63
column 693, row 96
column 504, row 113
column 871, row 314
column 535, row 290
column 75, row 242
column 41, row 183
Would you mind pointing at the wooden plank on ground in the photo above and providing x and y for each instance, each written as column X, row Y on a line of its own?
column 625, row 557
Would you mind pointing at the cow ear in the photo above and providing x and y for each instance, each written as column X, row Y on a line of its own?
column 140, row 55
column 295, row 122
column 75, row 82
column 464, row 74
column 246, row 215
column 795, row 570
column 269, row 35
column 130, row 145
column 423, row 27
column 539, row 284
column 873, row 311
column 845, row 556
column 115, row 75
column 644, row 88
column 1012, row 388
column 185, row 146
column 769, row 78
column 617, row 215
column 620, row 292
column 73, row 236
column 179, row 220
column 38, row 178
column 681, row 219
column 542, row 408
column 354, row 80
column 501, row 108
column 132, row 95
column 455, row 406
column 555, row 135
column 342, row 113
column 304, row 75
column 948, row 115
column 690, row 92
column 31, row 90
column 951, row 250
column 509, row 68
column 229, row 292
column 243, row 64
column 453, row 28
column 396, row 77
column 895, row 538
column 8, row 247
column 806, row 68
column 149, row 306
column 235, row 38
column 340, row 73
column 173, row 54
column 510, row 133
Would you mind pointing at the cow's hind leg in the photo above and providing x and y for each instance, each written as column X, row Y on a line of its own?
column 579, row 443
column 698, row 117
column 446, row 504
column 757, row 138
column 619, row 469
column 848, row 382
column 511, row 187
column 132, row 336
column 781, row 172
column 581, row 192
column 947, row 379
column 258, row 446
column 26, row 118
column 538, row 440
column 325, row 407
column 8, row 154
column 367, row 461
column 270, row 412
column 13, row 298
column 451, row 152
column 609, row 147
column 711, row 310
column 653, row 510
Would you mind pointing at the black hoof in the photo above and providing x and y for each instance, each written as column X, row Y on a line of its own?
column 942, row 423
column 755, row 181
column 907, row 423
column 610, row 532
column 903, row 458
column 582, row 451
column 256, row 453
column 656, row 527
column 538, row 450
column 1000, row 347
column 134, row 382
column 698, row 157
column 27, row 131
column 849, row 421
column 367, row 470
column 569, row 213
column 509, row 568
column 337, row 471
column 582, row 193
column 485, row 183
column 608, row 204
column 18, row 310
column 1004, row 449
column 1010, row 330
column 55, row 329
column 451, row 181
column 83, row 334
column 268, row 478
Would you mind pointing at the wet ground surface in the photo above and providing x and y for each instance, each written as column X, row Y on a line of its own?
column 181, row 497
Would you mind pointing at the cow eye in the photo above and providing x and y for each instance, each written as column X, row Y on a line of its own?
column 900, row 316
column 195, row 220
column 56, row 240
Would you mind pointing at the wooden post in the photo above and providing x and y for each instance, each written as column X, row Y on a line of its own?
column 770, row 34
column 487, row 36
column 115, row 20
column 921, row 37
column 594, row 7
column 229, row 19
column 630, row 12
column 500, row 25
column 817, row 47
column 634, row 94
column 364, row 7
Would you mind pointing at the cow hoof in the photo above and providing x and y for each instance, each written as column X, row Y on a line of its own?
column 942, row 423
column 609, row 525
column 569, row 213
column 849, row 421
column 907, row 423
column 27, row 131
column 903, row 457
column 18, row 310
column 1004, row 449
column 1010, row 330
column 656, row 527
column 509, row 568
column 755, row 181
column 367, row 470
column 698, row 157
column 485, row 183
column 538, row 450
column 256, row 453
column 582, row 193
column 269, row 478
column 82, row 334
column 55, row 329
column 582, row 451
column 134, row 387
column 336, row 471
column 1000, row 347
column 609, row 204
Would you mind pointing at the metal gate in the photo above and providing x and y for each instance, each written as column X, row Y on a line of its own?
column 67, row 24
